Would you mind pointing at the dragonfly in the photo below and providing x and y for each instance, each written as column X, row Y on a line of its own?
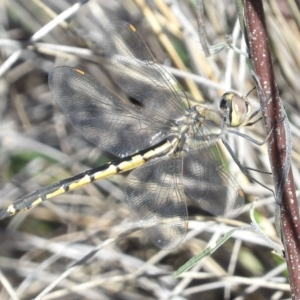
column 169, row 144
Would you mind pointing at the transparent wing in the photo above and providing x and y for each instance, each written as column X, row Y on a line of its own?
column 156, row 198
column 133, row 68
column 207, row 182
column 110, row 123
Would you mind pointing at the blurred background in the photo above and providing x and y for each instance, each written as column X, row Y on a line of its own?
column 38, row 147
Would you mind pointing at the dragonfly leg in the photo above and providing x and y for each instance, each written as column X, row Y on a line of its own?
column 249, row 138
column 245, row 169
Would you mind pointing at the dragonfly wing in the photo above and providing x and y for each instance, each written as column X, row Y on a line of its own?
column 134, row 69
column 110, row 123
column 156, row 198
column 207, row 182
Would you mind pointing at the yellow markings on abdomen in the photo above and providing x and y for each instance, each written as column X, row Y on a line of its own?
column 11, row 210
column 77, row 184
column 36, row 202
column 164, row 149
column 111, row 170
column 136, row 161
column 57, row 192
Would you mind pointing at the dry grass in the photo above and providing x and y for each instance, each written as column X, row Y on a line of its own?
column 38, row 147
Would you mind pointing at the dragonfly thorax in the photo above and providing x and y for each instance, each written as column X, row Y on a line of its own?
column 199, row 126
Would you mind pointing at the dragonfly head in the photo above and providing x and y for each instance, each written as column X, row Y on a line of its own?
column 234, row 109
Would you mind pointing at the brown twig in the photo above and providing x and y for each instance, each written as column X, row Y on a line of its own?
column 273, row 117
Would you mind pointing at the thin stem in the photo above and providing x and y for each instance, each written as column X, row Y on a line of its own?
column 273, row 115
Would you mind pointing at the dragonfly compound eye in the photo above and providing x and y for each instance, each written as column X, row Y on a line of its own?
column 234, row 109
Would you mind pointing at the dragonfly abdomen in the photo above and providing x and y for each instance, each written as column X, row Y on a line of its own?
column 112, row 168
